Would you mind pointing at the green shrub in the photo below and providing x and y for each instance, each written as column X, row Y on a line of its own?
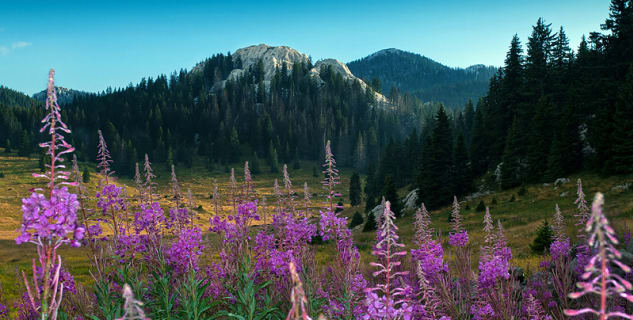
column 494, row 201
column 522, row 191
column 543, row 238
column 370, row 224
column 481, row 206
column 357, row 220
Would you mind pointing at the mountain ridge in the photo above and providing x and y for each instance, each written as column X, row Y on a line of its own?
column 424, row 77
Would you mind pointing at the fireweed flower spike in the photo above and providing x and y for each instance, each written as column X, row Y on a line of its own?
column 290, row 200
column 331, row 177
column 391, row 305
column 132, row 307
column 277, row 192
column 138, row 182
column 50, row 221
column 600, row 277
column 103, row 158
column 298, row 299
column 175, row 188
column 583, row 252
column 306, row 198
column 423, row 230
column 489, row 239
column 459, row 236
column 233, row 187
column 149, row 176
column 216, row 196
column 249, row 192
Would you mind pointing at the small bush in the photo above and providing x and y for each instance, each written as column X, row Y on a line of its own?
column 512, row 199
column 522, row 191
column 370, row 224
column 481, row 206
column 357, row 220
column 340, row 206
column 467, row 208
column 86, row 175
column 1, row 174
column 494, row 201
column 543, row 238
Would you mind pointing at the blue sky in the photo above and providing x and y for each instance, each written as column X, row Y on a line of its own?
column 95, row 45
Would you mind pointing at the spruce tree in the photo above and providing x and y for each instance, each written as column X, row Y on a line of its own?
column 436, row 183
column 555, row 161
column 255, row 165
column 461, row 173
column 355, row 189
column 85, row 177
column 25, row 145
column 273, row 162
column 623, row 128
column 370, row 223
column 511, row 167
column 478, row 145
column 357, row 220
column 543, row 239
column 391, row 194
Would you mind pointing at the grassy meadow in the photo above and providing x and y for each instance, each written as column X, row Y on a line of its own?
column 521, row 215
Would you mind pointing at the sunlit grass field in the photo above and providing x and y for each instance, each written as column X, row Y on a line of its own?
column 520, row 216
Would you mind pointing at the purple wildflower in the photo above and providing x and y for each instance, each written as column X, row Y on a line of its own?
column 184, row 253
column 175, row 187
column 331, row 177
column 390, row 305
column 599, row 277
column 104, row 159
column 306, row 198
column 149, row 176
column 133, row 308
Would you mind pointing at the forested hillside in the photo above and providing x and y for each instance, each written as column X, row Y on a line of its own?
column 393, row 70
column 186, row 114
column 549, row 112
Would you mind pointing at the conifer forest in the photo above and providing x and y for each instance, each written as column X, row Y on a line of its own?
column 264, row 184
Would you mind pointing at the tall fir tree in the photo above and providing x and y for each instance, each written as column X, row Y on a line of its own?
column 355, row 189
column 461, row 173
column 511, row 166
column 435, row 185
column 623, row 128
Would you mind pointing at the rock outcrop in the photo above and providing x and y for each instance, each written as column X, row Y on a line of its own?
column 273, row 58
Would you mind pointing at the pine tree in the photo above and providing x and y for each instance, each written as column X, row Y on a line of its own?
column 85, row 177
column 355, row 189
column 544, row 238
column 511, row 167
column 555, row 161
column 623, row 132
column 391, row 195
column 461, row 173
column 370, row 223
column 273, row 162
column 436, row 182
column 357, row 220
column 478, row 145
column 25, row 145
column 296, row 164
column 255, row 165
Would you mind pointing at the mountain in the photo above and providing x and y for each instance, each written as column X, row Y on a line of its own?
column 267, row 61
column 427, row 79
column 64, row 95
column 260, row 103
